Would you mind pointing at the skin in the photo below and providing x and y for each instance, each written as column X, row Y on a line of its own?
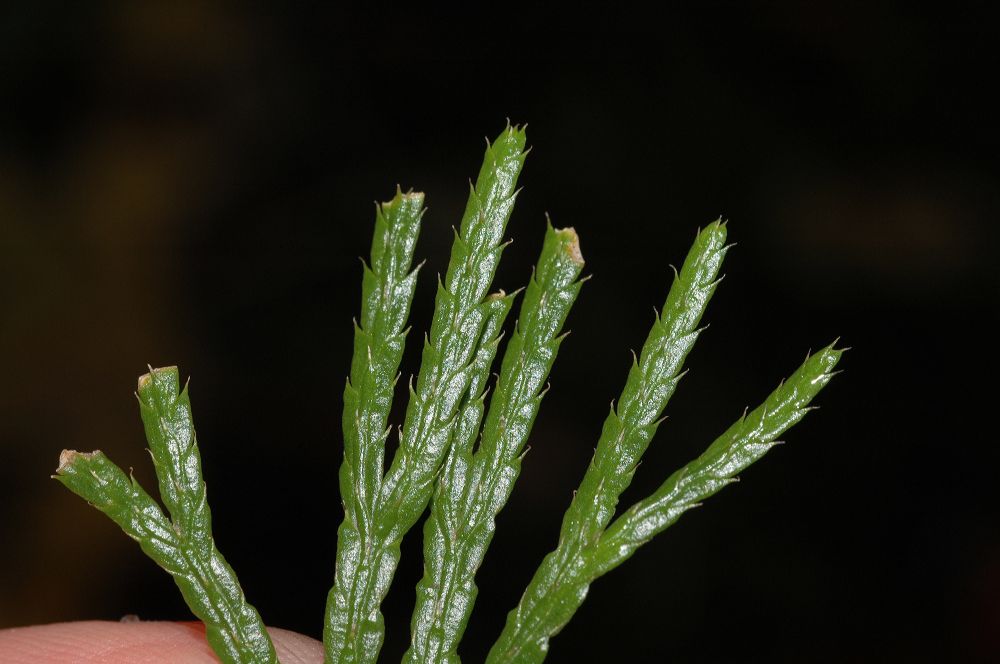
column 151, row 642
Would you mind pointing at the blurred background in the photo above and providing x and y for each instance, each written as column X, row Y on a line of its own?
column 191, row 183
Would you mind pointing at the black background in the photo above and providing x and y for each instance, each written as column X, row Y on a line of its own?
column 191, row 183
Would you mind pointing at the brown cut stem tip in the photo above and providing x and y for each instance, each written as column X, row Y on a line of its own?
column 573, row 245
column 146, row 377
column 68, row 457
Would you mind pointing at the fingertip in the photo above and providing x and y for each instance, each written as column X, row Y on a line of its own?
column 148, row 642
column 93, row 641
column 295, row 648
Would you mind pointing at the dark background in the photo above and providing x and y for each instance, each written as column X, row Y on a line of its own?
column 190, row 183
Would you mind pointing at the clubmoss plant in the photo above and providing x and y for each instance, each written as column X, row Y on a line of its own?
column 455, row 453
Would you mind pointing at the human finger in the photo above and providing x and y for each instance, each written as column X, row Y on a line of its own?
column 139, row 642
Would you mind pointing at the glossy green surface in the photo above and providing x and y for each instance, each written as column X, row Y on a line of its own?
column 354, row 629
column 386, row 294
column 588, row 547
column 475, row 487
column 627, row 432
column 746, row 441
column 182, row 545
column 438, row 453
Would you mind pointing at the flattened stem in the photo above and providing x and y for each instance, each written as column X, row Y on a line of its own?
column 354, row 630
column 463, row 513
column 625, row 436
column 446, row 516
column 386, row 296
column 741, row 445
column 746, row 441
column 93, row 477
column 183, row 546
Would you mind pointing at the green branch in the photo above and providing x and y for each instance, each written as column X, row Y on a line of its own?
column 746, row 441
column 183, row 545
column 742, row 444
column 438, row 460
column 466, row 504
column 627, row 432
column 386, row 294
column 354, row 630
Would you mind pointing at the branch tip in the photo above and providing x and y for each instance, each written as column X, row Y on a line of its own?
column 145, row 378
column 68, row 458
